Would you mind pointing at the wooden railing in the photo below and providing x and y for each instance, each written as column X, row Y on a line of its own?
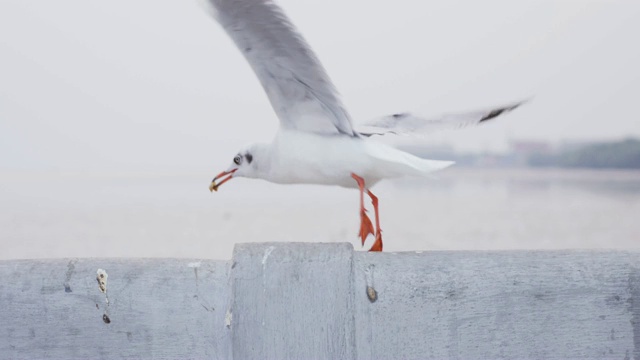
column 325, row 301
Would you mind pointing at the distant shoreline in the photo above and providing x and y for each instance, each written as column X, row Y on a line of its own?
column 623, row 154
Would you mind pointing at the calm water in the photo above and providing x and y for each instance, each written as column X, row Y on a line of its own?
column 156, row 215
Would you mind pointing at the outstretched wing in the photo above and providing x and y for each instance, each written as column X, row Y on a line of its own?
column 410, row 124
column 297, row 85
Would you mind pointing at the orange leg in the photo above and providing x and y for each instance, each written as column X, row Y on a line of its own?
column 377, row 245
column 366, row 227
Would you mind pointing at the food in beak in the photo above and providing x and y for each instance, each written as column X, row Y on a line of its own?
column 214, row 187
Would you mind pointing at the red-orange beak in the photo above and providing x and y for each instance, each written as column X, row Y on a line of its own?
column 214, row 187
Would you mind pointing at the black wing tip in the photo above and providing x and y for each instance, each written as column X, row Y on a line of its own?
column 400, row 115
column 492, row 114
column 497, row 112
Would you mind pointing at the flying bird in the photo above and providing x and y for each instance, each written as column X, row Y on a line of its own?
column 317, row 142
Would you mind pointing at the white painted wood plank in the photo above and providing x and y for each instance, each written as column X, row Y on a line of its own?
column 161, row 309
column 293, row 301
column 284, row 300
column 499, row 305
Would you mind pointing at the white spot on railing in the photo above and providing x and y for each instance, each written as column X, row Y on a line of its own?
column 267, row 252
column 372, row 294
column 102, row 280
column 195, row 266
column 228, row 318
column 101, row 277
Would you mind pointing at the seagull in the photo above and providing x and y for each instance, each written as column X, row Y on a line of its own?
column 317, row 142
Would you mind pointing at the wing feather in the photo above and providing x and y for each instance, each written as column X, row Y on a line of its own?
column 298, row 87
column 410, row 124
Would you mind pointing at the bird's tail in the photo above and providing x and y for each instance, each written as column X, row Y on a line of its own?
column 426, row 166
column 401, row 163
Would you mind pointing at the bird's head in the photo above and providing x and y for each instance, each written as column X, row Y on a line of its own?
column 245, row 164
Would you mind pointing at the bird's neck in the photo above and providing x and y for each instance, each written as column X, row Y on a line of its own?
column 263, row 161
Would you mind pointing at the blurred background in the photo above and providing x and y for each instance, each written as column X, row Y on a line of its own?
column 114, row 117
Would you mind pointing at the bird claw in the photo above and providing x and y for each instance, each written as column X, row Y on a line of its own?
column 366, row 227
column 377, row 245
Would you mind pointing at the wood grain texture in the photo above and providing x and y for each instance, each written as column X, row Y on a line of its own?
column 160, row 309
column 499, row 305
column 293, row 301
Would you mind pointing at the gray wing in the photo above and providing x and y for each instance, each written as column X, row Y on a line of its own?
column 410, row 124
column 297, row 85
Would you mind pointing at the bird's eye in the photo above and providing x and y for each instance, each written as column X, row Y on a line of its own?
column 237, row 159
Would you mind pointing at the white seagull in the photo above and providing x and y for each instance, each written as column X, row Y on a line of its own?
column 317, row 142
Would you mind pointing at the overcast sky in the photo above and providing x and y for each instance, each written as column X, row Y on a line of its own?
column 151, row 85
